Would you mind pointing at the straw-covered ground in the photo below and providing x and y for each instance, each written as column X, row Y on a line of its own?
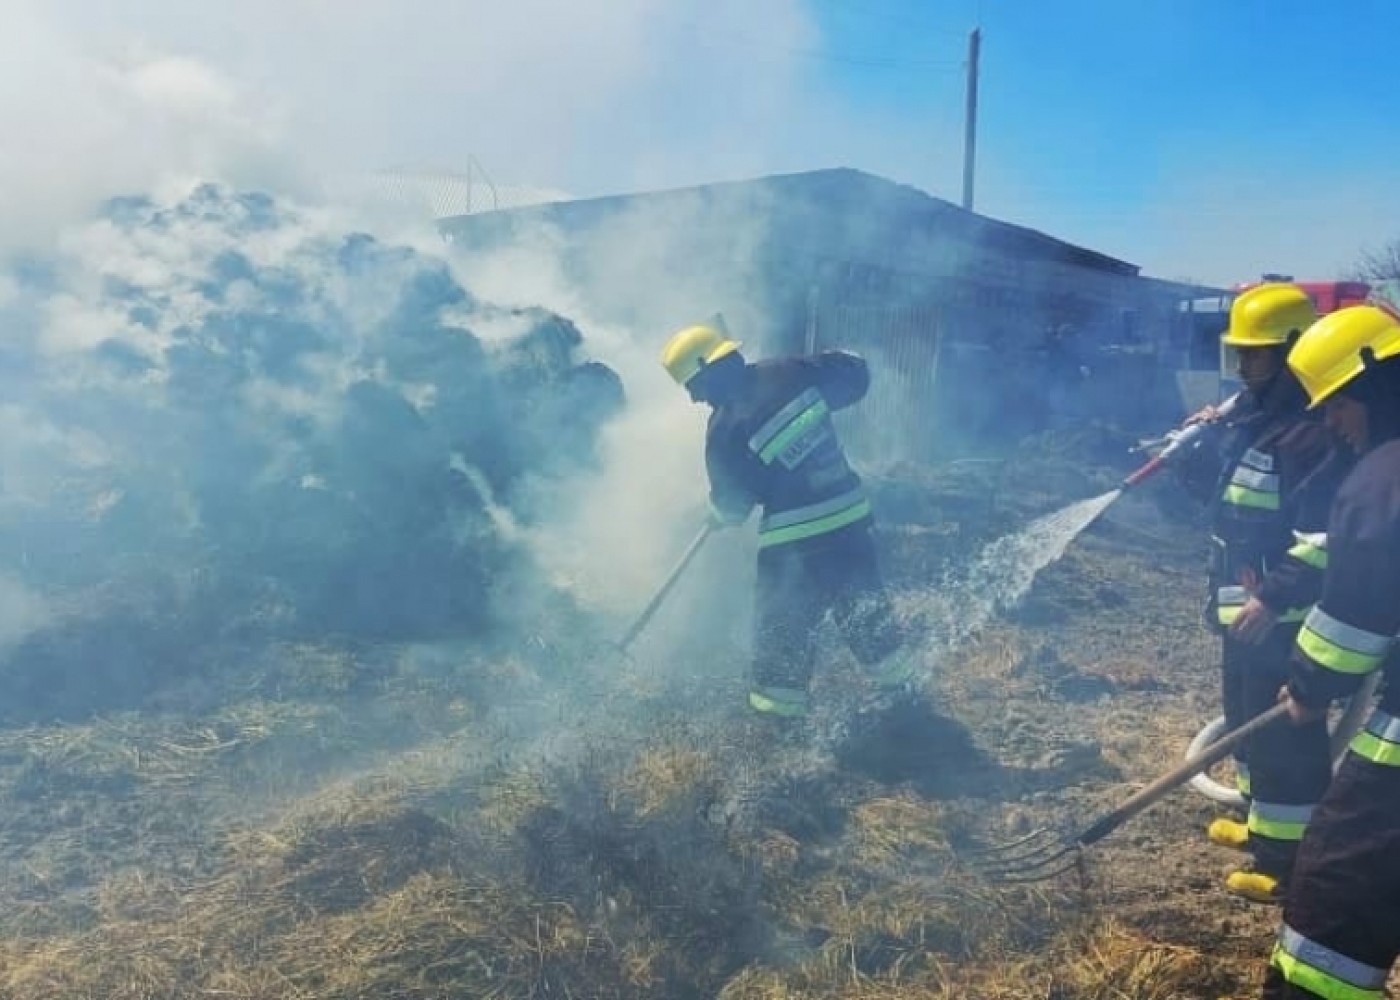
column 348, row 821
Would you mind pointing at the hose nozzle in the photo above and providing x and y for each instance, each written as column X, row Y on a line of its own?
column 1179, row 442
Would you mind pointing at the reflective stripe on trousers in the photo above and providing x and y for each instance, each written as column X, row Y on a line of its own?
column 1279, row 822
column 1242, row 782
column 1325, row 972
column 789, row 703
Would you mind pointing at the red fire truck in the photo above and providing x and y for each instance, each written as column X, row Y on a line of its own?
column 1327, row 296
column 1208, row 373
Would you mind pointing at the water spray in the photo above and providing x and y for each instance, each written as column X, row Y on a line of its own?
column 1066, row 524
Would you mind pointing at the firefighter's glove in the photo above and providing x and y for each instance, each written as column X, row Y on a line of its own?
column 1253, row 623
column 1205, row 415
column 720, row 519
column 1256, row 619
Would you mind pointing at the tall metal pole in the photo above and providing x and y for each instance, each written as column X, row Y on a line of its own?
column 974, row 52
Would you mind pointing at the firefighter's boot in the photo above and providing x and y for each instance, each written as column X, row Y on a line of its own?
column 1229, row 833
column 1255, row 886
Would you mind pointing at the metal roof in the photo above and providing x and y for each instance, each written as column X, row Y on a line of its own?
column 872, row 219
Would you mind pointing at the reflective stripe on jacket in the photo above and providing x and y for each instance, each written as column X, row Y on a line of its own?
column 1253, row 484
column 814, row 519
column 775, row 445
column 1230, row 601
column 1274, row 494
column 1379, row 741
column 1310, row 548
column 790, row 434
column 1352, row 630
column 1337, row 646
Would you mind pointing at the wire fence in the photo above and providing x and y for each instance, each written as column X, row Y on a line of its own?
column 958, row 365
column 901, row 345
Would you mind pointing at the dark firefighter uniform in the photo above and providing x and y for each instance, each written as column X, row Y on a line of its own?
column 1341, row 929
column 775, row 446
column 1270, row 502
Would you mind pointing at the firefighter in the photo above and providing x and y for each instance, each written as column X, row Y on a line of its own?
column 771, row 443
column 1270, row 486
column 1341, row 917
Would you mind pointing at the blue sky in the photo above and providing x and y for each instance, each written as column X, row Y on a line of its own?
column 1167, row 132
column 1207, row 139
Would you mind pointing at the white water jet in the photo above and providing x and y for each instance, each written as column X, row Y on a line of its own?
column 1000, row 575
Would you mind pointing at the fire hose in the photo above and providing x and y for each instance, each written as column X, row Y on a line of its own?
column 1347, row 725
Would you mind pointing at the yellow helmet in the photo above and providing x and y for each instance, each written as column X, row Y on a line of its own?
column 1269, row 315
column 695, row 347
column 1334, row 350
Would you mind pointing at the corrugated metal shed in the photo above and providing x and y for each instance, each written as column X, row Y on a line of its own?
column 967, row 320
column 889, row 225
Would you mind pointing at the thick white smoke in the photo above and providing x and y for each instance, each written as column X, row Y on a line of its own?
column 613, row 535
column 83, row 122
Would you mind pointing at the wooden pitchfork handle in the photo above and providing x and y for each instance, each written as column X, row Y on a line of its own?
column 1179, row 775
column 665, row 588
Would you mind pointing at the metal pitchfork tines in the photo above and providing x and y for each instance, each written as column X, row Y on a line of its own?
column 1039, row 856
column 1044, row 854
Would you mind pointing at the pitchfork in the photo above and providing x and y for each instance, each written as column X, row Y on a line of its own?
column 666, row 585
column 1043, row 854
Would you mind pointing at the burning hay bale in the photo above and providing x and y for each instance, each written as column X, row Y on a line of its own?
column 320, row 439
